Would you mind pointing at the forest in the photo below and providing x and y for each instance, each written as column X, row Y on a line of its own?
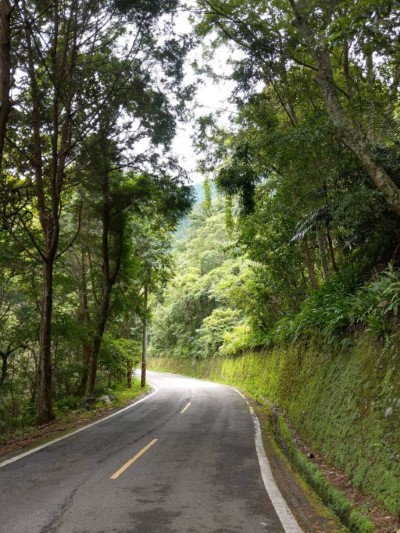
column 287, row 278
column 90, row 193
column 308, row 180
column 297, row 234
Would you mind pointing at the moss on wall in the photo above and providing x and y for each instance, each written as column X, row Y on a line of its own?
column 345, row 404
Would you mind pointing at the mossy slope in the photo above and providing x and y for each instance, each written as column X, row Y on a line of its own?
column 345, row 404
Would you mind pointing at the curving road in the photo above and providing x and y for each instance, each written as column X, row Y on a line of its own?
column 184, row 459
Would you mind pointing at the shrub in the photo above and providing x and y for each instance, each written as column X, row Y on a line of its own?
column 237, row 341
column 69, row 403
column 341, row 305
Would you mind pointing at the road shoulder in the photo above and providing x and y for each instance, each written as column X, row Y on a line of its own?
column 31, row 438
column 308, row 509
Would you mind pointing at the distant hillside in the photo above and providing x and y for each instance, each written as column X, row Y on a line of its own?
column 183, row 226
column 199, row 192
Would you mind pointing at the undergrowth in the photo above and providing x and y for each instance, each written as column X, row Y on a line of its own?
column 71, row 408
column 342, row 306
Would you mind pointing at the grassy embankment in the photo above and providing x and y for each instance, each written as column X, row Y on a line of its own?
column 345, row 404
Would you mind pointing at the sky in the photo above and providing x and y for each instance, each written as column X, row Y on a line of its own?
column 211, row 95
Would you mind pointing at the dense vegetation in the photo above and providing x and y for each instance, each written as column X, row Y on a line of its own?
column 90, row 94
column 308, row 172
column 312, row 161
column 302, row 241
column 205, row 300
column 225, row 298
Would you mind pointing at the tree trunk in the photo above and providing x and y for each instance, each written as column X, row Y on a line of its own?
column 144, row 338
column 352, row 136
column 110, row 276
column 5, row 71
column 349, row 134
column 108, row 281
column 50, row 229
column 92, row 371
column 4, row 367
column 85, row 317
column 100, row 328
column 331, row 251
column 44, row 396
column 309, row 263
column 322, row 254
column 86, row 353
column 129, row 370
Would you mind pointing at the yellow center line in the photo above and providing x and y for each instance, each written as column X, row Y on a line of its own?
column 187, row 407
column 131, row 461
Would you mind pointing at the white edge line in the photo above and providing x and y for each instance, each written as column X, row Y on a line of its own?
column 41, row 447
column 285, row 515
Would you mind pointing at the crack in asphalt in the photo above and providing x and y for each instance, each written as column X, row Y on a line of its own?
column 55, row 522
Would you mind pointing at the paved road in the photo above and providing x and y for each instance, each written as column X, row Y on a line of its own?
column 182, row 460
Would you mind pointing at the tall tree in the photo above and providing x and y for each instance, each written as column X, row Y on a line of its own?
column 56, row 70
column 349, row 131
column 334, row 41
column 73, row 68
column 6, row 10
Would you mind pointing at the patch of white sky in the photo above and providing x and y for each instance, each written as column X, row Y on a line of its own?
column 212, row 96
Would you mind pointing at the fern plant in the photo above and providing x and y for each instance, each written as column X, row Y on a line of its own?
column 339, row 307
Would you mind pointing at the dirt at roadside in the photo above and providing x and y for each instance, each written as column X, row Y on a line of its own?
column 310, row 513
column 22, row 440
column 385, row 522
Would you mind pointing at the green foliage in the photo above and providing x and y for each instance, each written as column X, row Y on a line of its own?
column 229, row 218
column 68, row 403
column 206, row 203
column 147, row 10
column 238, row 340
column 91, row 191
column 16, row 411
column 238, row 175
column 276, row 286
column 343, row 305
column 207, row 296
column 269, row 295
column 308, row 207
column 214, row 329
column 115, row 353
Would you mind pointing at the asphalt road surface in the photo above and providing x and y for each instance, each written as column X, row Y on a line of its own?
column 184, row 459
